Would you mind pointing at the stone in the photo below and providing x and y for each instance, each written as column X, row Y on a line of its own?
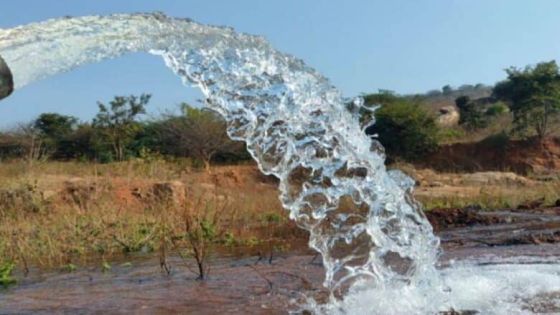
column 448, row 116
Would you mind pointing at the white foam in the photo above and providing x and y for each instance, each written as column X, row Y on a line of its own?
column 504, row 289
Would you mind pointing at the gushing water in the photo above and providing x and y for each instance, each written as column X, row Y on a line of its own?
column 377, row 247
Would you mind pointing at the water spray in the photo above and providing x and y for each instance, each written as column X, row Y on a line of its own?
column 377, row 247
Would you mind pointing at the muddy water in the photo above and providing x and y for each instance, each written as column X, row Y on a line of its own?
column 249, row 286
column 235, row 287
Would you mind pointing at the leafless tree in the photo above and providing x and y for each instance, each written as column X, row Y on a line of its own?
column 201, row 224
column 30, row 140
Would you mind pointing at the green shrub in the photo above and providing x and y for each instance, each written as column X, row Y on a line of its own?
column 472, row 115
column 533, row 94
column 406, row 130
column 496, row 109
column 6, row 278
column 449, row 134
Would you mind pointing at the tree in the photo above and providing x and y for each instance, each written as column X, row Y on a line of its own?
column 83, row 142
column 54, row 129
column 533, row 95
column 198, row 132
column 384, row 97
column 55, row 125
column 471, row 115
column 118, row 124
column 405, row 129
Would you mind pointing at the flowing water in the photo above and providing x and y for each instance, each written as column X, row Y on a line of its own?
column 378, row 250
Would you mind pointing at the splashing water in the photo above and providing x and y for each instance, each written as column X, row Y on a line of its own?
column 378, row 249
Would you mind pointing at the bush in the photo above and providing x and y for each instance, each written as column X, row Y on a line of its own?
column 199, row 133
column 533, row 95
column 496, row 109
column 6, row 278
column 450, row 134
column 406, row 130
column 472, row 117
column 116, row 134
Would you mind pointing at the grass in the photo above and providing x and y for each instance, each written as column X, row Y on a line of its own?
column 111, row 211
column 488, row 196
column 68, row 215
column 6, row 278
column 500, row 124
column 491, row 197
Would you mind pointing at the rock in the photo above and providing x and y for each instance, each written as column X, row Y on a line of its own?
column 173, row 192
column 448, row 116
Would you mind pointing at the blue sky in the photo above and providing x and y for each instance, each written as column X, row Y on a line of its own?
column 361, row 45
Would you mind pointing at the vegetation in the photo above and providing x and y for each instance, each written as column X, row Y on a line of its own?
column 64, row 215
column 117, row 124
column 53, row 129
column 534, row 97
column 6, row 278
column 50, row 218
column 117, row 134
column 472, row 117
column 527, row 103
column 405, row 129
column 491, row 197
column 204, row 223
column 200, row 133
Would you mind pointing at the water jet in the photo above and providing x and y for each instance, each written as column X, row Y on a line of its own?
column 377, row 247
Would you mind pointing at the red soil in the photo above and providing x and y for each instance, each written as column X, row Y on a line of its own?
column 520, row 156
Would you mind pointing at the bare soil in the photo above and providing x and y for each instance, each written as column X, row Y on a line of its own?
column 520, row 156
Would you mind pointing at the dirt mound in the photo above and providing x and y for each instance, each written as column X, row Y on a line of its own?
column 125, row 192
column 233, row 176
column 498, row 154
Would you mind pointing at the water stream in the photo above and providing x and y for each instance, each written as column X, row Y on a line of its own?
column 378, row 249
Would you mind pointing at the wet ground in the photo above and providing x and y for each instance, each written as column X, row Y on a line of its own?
column 137, row 284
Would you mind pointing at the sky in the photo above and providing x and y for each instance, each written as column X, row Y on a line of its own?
column 407, row 46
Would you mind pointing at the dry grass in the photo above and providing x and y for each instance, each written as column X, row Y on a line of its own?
column 492, row 198
column 454, row 191
column 50, row 219
column 457, row 134
column 58, row 214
